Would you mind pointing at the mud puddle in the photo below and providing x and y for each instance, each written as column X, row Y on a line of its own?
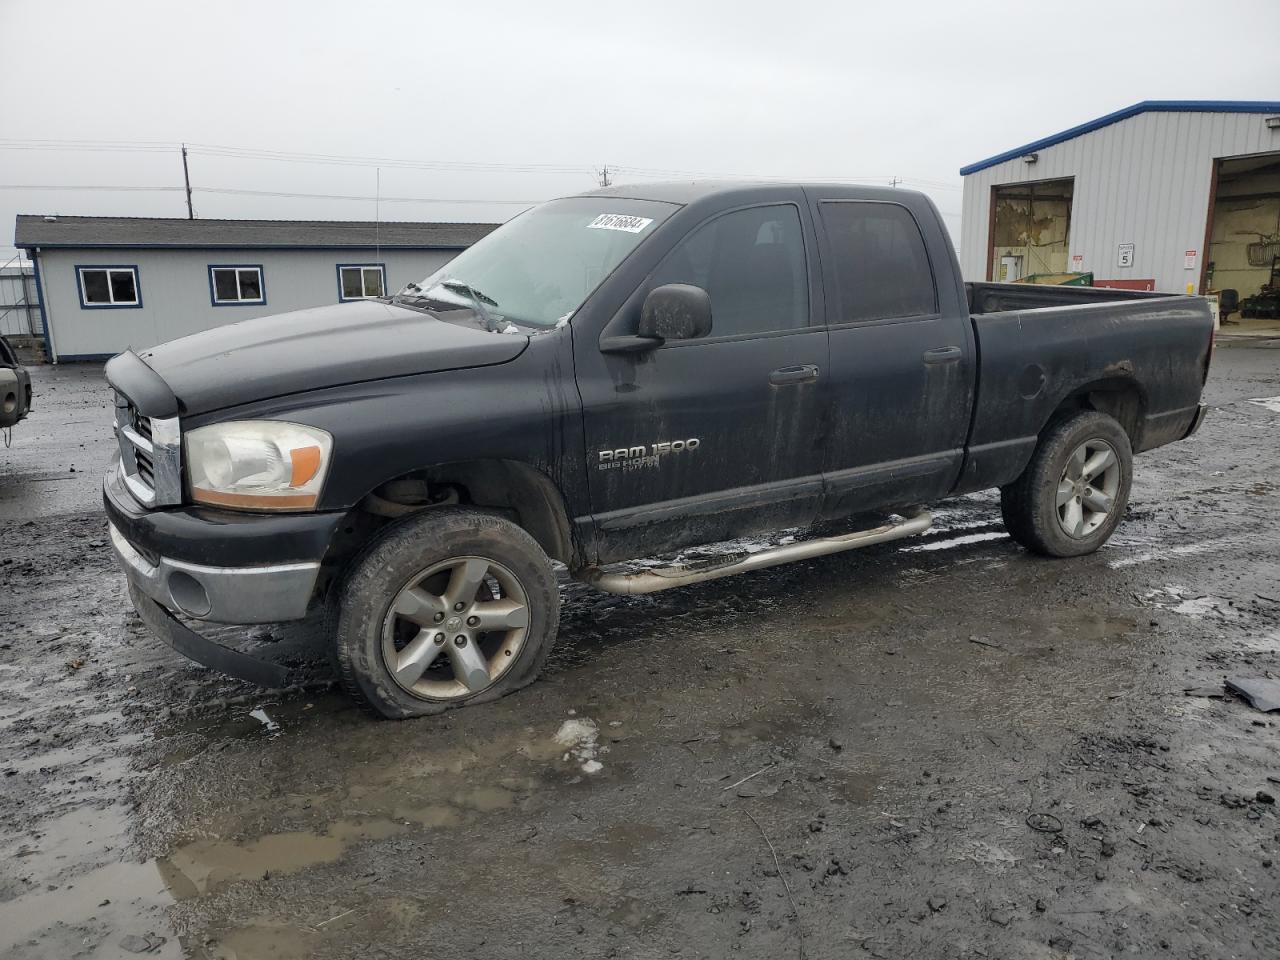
column 883, row 723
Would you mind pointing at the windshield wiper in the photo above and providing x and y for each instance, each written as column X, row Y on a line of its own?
column 477, row 298
column 467, row 288
column 476, row 301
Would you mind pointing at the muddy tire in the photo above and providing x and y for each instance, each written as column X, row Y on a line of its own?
column 448, row 608
column 1073, row 493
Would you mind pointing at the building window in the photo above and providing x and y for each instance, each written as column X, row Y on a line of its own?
column 232, row 285
column 361, row 281
column 109, row 287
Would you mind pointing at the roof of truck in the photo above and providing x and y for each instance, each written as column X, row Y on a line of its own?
column 687, row 191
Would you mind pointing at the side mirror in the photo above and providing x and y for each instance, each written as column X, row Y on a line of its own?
column 675, row 311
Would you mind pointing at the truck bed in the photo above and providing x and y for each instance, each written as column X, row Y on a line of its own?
column 1142, row 357
column 1000, row 297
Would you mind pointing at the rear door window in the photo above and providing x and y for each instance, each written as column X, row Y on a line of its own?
column 752, row 263
column 881, row 268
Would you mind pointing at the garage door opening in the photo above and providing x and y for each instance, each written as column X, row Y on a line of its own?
column 1243, row 266
column 1030, row 230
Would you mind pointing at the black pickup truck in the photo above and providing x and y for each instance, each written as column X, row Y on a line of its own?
column 614, row 376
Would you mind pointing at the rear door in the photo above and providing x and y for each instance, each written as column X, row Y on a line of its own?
column 703, row 440
column 902, row 365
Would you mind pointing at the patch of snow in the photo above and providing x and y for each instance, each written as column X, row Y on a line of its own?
column 581, row 739
column 510, row 328
column 1186, row 549
column 1198, row 606
column 260, row 715
column 1271, row 403
column 1176, row 598
column 953, row 542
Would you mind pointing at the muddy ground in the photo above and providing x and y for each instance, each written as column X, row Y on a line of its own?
column 936, row 748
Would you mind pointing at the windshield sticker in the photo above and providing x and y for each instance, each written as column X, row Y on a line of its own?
column 618, row 221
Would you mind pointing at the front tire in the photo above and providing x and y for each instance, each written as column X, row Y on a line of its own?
column 448, row 608
column 1073, row 493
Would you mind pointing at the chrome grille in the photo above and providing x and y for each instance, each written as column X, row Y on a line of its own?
column 146, row 469
column 140, row 423
column 150, row 455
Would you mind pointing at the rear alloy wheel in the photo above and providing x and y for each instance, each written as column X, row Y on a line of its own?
column 1088, row 487
column 447, row 608
column 1073, row 493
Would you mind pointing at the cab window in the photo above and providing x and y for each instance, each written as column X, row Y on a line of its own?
column 752, row 263
column 881, row 267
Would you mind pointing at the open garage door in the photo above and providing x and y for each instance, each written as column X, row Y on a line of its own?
column 1030, row 229
column 1243, row 264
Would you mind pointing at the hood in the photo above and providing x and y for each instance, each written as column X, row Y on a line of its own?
column 321, row 347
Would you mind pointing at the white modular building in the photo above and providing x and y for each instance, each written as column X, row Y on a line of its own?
column 110, row 283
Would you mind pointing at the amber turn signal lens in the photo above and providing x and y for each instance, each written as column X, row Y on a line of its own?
column 306, row 464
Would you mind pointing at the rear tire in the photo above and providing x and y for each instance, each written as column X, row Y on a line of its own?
column 1073, row 493
column 448, row 608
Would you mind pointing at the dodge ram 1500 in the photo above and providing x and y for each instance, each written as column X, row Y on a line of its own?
column 614, row 376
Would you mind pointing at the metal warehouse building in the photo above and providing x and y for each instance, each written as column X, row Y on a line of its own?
column 1176, row 196
column 108, row 283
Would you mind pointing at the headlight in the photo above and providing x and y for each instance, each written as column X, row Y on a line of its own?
column 258, row 464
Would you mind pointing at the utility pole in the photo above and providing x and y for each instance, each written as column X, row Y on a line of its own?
column 186, row 178
column 894, row 181
column 604, row 176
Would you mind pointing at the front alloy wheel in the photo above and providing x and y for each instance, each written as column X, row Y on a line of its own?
column 449, row 607
column 455, row 628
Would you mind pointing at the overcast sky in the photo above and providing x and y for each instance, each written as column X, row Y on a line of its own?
column 536, row 96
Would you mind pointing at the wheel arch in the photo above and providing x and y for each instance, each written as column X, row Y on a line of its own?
column 515, row 489
column 1120, row 397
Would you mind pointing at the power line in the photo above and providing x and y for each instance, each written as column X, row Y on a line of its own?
column 289, row 156
column 231, row 191
column 234, row 192
column 461, row 166
column 105, row 187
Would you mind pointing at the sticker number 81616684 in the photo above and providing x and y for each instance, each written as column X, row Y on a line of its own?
column 618, row 221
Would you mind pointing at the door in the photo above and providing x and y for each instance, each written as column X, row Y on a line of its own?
column 703, row 440
column 1010, row 269
column 901, row 362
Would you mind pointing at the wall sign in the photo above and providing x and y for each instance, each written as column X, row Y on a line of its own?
column 1077, row 263
column 1124, row 255
column 1190, row 261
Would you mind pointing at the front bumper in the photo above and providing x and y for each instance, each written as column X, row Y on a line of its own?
column 258, row 594
column 219, row 565
column 1201, row 411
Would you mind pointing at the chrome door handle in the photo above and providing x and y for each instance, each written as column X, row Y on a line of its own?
column 943, row 355
column 800, row 373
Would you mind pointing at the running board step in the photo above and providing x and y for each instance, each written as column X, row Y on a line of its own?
column 665, row 578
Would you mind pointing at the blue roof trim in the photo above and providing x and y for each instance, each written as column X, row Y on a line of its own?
column 1146, row 106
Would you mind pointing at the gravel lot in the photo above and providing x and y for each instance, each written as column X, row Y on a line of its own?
column 935, row 748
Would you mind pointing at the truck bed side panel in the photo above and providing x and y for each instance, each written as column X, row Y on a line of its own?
column 1033, row 362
